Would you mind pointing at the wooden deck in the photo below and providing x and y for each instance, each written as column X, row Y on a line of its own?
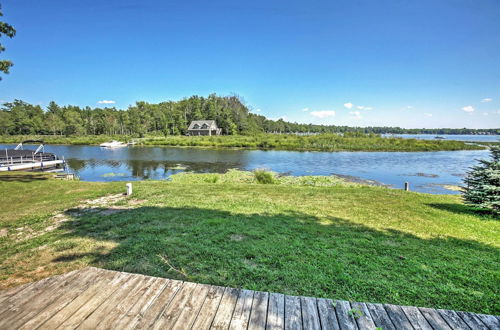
column 94, row 298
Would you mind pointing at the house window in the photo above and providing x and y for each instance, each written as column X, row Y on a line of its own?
column 205, row 126
column 196, row 126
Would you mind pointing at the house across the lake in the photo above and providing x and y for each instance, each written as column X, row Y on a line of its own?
column 204, row 127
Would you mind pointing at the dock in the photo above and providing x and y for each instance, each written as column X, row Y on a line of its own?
column 20, row 159
column 93, row 298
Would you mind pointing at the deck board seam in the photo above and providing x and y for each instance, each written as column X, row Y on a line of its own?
column 300, row 309
column 267, row 308
column 394, row 321
column 481, row 320
column 284, row 311
column 465, row 321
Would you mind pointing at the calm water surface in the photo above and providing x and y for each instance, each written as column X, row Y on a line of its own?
column 426, row 171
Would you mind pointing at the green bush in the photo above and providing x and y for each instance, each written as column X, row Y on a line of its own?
column 264, row 177
column 482, row 184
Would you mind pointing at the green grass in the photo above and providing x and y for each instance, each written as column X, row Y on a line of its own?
column 323, row 142
column 341, row 241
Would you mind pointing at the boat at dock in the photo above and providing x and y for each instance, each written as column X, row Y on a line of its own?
column 113, row 144
column 21, row 159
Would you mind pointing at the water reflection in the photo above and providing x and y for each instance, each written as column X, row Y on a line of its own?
column 426, row 171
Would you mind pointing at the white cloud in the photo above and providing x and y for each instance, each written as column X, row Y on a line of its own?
column 257, row 110
column 485, row 113
column 348, row 105
column 323, row 113
column 106, row 102
column 498, row 112
column 356, row 114
column 408, row 107
column 360, row 107
column 368, row 108
column 428, row 114
column 486, row 100
column 305, row 109
column 468, row 108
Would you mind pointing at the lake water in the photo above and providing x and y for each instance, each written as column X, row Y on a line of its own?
column 469, row 138
column 426, row 171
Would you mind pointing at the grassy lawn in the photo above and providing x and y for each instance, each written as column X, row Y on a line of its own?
column 341, row 241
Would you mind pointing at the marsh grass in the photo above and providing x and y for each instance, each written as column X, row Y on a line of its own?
column 264, row 177
column 322, row 142
column 258, row 176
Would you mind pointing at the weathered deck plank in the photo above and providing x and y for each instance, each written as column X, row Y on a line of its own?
column 435, row 319
column 327, row 314
column 100, row 299
column 209, row 308
column 346, row 320
column 188, row 314
column 310, row 317
column 130, row 318
column 491, row 321
column 35, row 299
column 68, row 310
column 226, row 307
column 95, row 302
column 380, row 317
column 259, row 311
column 276, row 312
column 365, row 320
column 14, row 303
column 170, row 314
column 148, row 318
column 452, row 318
column 293, row 313
column 398, row 316
column 241, row 314
column 110, row 303
column 416, row 319
column 472, row 321
column 56, row 304
column 123, row 307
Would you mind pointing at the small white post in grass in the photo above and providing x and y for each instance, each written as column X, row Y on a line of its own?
column 129, row 189
column 407, row 186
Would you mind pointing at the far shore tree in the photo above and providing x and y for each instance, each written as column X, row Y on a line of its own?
column 9, row 31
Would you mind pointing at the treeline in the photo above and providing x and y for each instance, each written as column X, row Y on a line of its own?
column 170, row 118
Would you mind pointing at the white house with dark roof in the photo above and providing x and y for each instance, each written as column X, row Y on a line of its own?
column 203, row 127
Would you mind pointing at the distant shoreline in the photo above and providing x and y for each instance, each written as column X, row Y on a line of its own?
column 321, row 142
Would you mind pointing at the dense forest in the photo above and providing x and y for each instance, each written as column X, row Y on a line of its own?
column 169, row 118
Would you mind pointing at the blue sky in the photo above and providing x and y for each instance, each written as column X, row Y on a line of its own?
column 395, row 63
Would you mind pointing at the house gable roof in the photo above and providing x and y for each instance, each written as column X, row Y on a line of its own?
column 210, row 124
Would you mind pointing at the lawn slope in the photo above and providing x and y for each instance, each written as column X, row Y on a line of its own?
column 340, row 241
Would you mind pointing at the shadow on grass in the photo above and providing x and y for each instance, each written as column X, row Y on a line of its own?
column 23, row 177
column 465, row 209
column 292, row 253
